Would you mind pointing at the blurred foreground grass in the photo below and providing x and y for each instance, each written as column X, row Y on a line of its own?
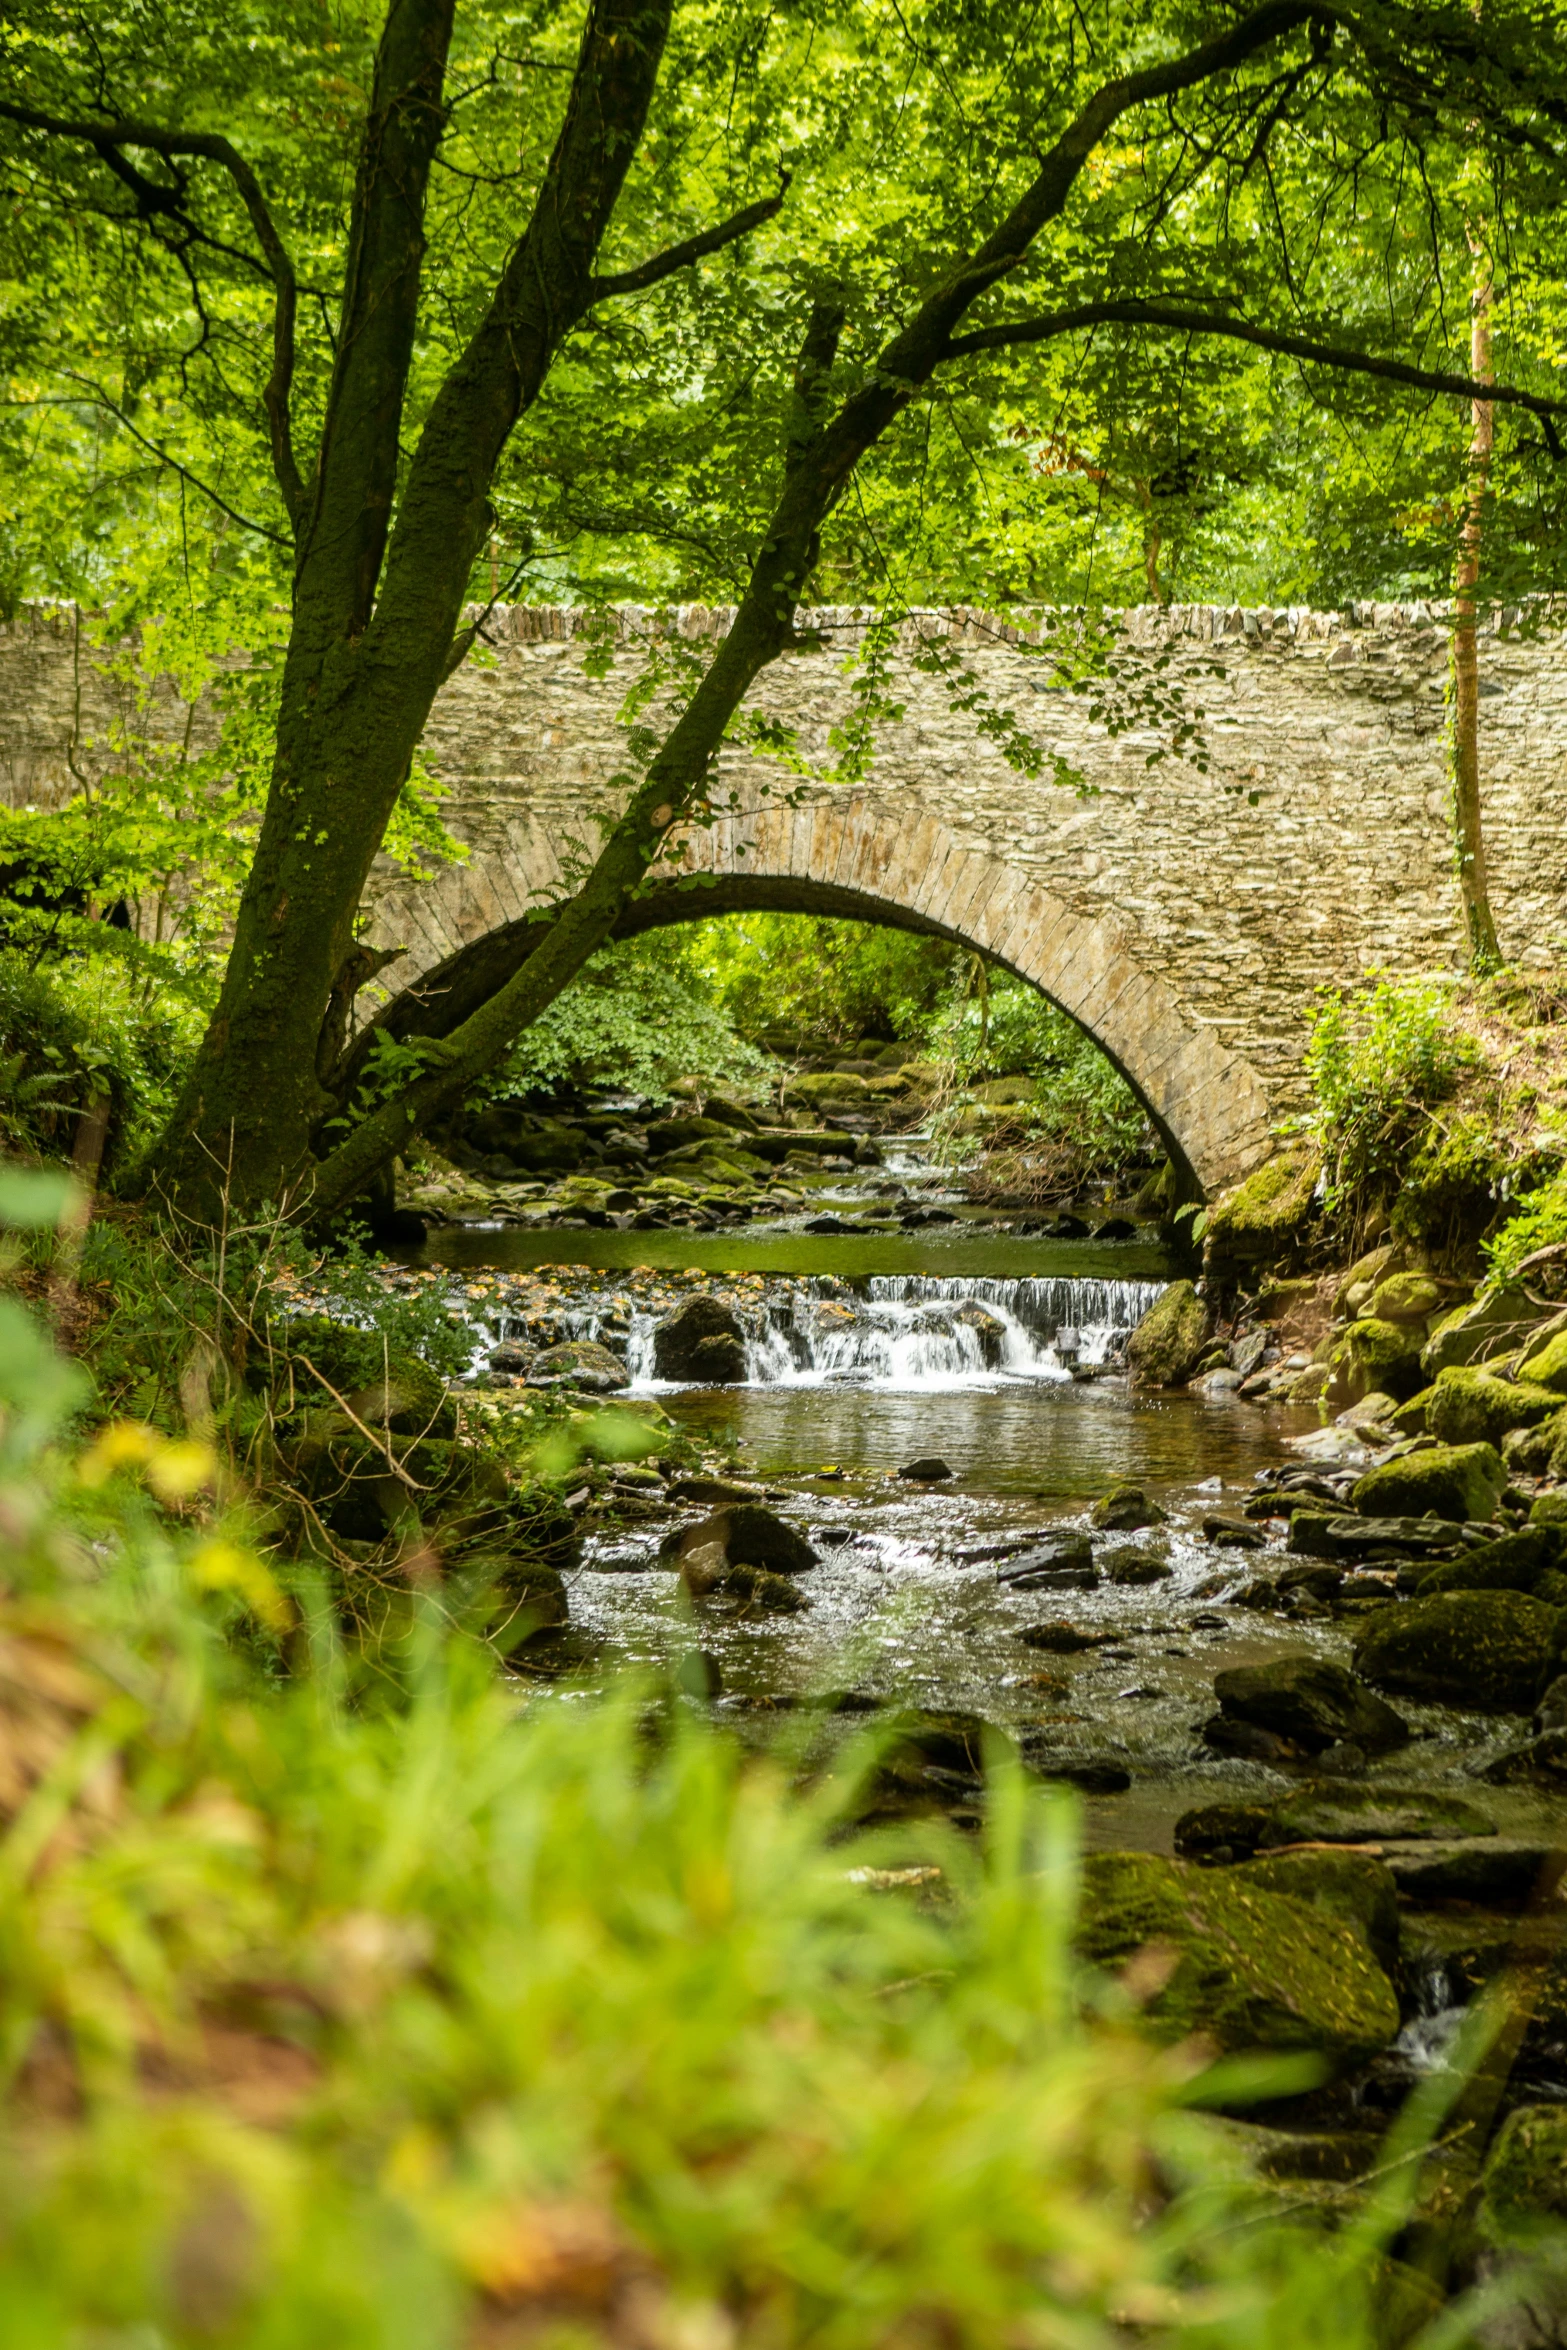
column 466, row 2013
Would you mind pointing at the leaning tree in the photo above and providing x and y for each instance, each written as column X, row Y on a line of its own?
column 905, row 225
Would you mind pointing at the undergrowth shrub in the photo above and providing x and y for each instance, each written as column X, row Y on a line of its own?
column 73, row 1033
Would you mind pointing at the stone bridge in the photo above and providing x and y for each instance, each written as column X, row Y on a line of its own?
column 1184, row 915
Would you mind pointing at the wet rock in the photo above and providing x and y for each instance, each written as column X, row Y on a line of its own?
column 1063, row 1639
column 1342, row 1814
column 1255, row 1968
column 1348, row 1885
column 1261, row 1593
column 1249, row 1742
column 1485, row 1649
column 1321, row 1535
column 929, row 1469
column 581, row 1363
column 1089, row 1775
column 1311, row 1701
column 1454, row 1481
column 1124, row 1509
column 1131, row 1567
column 1322, row 1582
column 1214, row 1830
column 748, row 1536
column 1233, row 1534
column 1541, row 1762
column 702, row 1343
column 712, row 1492
column 1490, row 1869
column 1167, row 1345
column 510, row 1357
column 1063, row 1561
column 1115, row 1228
column 1475, row 1407
column 1524, row 2185
column 989, row 1328
column 1551, row 1712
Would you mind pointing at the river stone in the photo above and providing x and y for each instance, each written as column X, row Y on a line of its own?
column 1067, row 1553
column 929, row 1469
column 1347, row 1814
column 1461, row 1482
column 988, row 1328
column 1311, row 1701
column 1483, row 1870
column 1255, row 1968
column 1124, row 1509
column 1233, row 1534
column 1242, row 1741
column 1166, row 1346
column 1349, row 1885
column 1374, row 1358
column 1220, row 1831
column 1064, row 1639
column 748, row 1535
column 580, row 1362
column 1405, row 1297
column 1486, row 1649
column 1324, row 1536
column 712, row 1492
column 1493, row 1326
column 1132, row 1566
column 701, row 1343
column 1475, row 1407
column 1517, row 1562
column 1544, row 1362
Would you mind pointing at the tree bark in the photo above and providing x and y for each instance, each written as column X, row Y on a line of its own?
column 367, row 652
column 1474, row 896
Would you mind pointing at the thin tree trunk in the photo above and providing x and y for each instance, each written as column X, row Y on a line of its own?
column 1474, row 896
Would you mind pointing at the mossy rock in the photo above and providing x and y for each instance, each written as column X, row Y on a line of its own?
column 1168, row 1342
column 1344, row 1812
column 1348, row 1885
column 1524, row 2186
column 1255, row 1968
column 1359, row 1283
column 1517, row 1562
column 1465, row 1406
column 1491, row 1326
column 1548, row 1509
column 1545, row 1363
column 1489, row 1650
column 1124, row 1509
column 1529, row 1452
column 1406, row 1297
column 1258, row 1219
column 1311, row 1701
column 1462, row 1482
column 1373, row 1357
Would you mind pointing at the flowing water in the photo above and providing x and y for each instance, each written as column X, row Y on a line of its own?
column 989, row 1350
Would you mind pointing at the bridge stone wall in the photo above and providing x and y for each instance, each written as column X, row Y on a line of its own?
column 1186, row 918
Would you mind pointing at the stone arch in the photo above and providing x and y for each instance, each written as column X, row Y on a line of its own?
column 868, row 857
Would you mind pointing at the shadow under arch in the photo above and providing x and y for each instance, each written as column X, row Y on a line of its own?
column 859, row 859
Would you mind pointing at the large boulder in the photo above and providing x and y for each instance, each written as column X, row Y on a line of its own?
column 1464, row 1406
column 1490, row 1650
column 1311, row 1701
column 1254, row 1968
column 1348, row 1885
column 1256, row 1221
column 1165, row 1348
column 1374, row 1358
column 1462, row 1482
column 702, row 1344
column 1405, row 1297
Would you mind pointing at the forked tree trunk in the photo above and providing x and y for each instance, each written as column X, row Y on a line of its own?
column 1474, row 895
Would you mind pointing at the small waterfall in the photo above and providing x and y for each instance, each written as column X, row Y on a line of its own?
column 911, row 1330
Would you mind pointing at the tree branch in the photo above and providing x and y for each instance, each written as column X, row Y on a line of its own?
column 690, row 251
column 1179, row 320
column 245, row 521
column 108, row 139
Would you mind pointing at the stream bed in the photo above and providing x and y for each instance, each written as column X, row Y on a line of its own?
column 987, row 1349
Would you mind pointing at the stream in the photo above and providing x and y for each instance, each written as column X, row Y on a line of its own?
column 987, row 1348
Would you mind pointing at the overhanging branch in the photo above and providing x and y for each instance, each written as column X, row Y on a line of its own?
column 1177, row 319
column 109, row 140
column 692, row 250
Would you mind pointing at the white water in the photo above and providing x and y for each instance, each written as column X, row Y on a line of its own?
column 914, row 1331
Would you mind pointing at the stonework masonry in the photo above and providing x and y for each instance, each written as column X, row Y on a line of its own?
column 1185, row 917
